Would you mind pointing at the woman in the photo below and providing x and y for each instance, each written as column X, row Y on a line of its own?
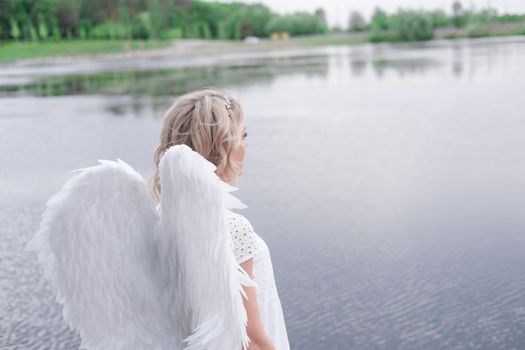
column 213, row 125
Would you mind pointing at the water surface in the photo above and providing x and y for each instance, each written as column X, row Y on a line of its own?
column 387, row 180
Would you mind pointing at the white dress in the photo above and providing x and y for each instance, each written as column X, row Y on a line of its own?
column 248, row 244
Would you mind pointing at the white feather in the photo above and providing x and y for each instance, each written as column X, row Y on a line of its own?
column 130, row 277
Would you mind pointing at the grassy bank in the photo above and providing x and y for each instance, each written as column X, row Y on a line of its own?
column 328, row 39
column 12, row 51
column 480, row 31
column 16, row 51
column 472, row 30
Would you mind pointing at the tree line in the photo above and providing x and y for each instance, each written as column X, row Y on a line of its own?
column 411, row 25
column 46, row 20
column 42, row 20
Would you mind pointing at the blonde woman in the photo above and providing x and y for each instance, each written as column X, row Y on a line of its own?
column 178, row 270
column 213, row 125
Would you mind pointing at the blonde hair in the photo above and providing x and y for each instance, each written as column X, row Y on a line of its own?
column 208, row 122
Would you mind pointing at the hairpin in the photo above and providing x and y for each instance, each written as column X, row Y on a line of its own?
column 228, row 103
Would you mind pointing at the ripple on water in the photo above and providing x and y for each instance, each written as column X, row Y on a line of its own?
column 30, row 319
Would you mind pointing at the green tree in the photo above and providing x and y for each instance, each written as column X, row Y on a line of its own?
column 279, row 24
column 32, row 31
column 55, row 30
column 380, row 20
column 205, row 32
column 15, row 30
column 298, row 23
column 459, row 15
column 145, row 20
column 439, row 19
column 356, row 22
column 222, row 30
column 410, row 25
column 43, row 32
column 485, row 16
column 321, row 16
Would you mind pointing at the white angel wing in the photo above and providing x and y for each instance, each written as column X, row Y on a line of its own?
column 196, row 239
column 97, row 243
column 129, row 278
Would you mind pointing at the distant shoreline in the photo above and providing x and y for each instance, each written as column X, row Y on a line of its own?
column 27, row 53
column 73, row 50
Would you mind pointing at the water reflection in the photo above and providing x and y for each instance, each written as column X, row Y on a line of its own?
column 403, row 67
column 358, row 66
column 168, row 82
column 403, row 59
column 457, row 59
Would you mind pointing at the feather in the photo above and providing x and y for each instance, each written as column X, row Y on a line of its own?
column 130, row 276
column 194, row 204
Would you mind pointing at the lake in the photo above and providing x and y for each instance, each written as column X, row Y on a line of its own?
column 387, row 180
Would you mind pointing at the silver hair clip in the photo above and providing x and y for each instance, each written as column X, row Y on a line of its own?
column 228, row 103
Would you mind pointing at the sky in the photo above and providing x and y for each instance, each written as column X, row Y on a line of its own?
column 337, row 11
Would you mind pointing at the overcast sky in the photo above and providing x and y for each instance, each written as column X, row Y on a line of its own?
column 337, row 10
